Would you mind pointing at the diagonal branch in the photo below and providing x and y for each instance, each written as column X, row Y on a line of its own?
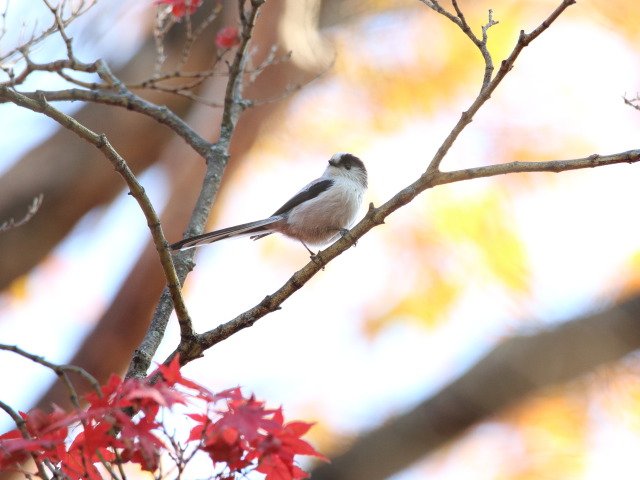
column 373, row 218
column 514, row 369
column 61, row 371
column 127, row 100
column 136, row 189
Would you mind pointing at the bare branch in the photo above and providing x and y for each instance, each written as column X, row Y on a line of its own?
column 61, row 372
column 164, row 22
column 55, row 11
column 76, row 10
column 375, row 217
column 3, row 20
column 125, row 100
column 633, row 102
column 55, row 66
column 136, row 190
column 193, row 35
column 485, row 93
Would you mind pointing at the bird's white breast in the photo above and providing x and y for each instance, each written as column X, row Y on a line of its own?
column 319, row 221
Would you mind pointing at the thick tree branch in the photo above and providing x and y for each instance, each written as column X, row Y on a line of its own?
column 513, row 370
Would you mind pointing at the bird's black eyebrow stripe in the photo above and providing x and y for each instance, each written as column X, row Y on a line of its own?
column 353, row 160
column 307, row 194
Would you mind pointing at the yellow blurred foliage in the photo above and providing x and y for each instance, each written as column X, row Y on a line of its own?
column 616, row 15
column 621, row 395
column 467, row 242
column 483, row 226
column 427, row 304
column 19, row 288
column 630, row 278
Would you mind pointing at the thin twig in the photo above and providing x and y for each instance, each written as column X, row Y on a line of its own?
column 55, row 11
column 22, row 428
column 34, row 39
column 31, row 211
column 60, row 370
column 632, row 102
column 467, row 116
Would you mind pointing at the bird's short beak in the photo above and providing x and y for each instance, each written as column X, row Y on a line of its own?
column 332, row 162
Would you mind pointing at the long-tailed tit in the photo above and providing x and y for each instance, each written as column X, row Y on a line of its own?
column 317, row 215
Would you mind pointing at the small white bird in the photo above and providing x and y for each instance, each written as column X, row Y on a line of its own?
column 317, row 215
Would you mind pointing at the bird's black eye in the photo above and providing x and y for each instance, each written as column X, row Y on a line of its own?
column 347, row 165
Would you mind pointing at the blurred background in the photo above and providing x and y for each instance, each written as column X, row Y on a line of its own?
column 421, row 298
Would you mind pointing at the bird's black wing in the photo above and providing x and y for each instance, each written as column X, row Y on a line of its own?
column 307, row 193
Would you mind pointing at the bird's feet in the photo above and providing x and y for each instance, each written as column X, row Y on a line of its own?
column 345, row 232
column 317, row 260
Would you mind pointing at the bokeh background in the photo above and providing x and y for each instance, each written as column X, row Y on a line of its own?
column 421, row 298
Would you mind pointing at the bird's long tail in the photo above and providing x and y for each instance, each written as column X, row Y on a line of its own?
column 261, row 228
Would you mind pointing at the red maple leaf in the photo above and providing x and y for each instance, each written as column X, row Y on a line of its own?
column 227, row 447
column 86, row 450
column 248, row 416
column 277, row 469
column 179, row 8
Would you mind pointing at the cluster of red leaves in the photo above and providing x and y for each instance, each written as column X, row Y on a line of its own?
column 226, row 37
column 179, row 8
column 120, row 425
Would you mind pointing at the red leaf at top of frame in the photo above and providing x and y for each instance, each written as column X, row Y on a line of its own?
column 227, row 37
column 179, row 8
